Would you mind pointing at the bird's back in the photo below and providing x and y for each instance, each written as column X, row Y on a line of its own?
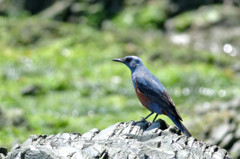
column 147, row 78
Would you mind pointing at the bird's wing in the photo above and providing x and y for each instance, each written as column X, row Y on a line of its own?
column 157, row 93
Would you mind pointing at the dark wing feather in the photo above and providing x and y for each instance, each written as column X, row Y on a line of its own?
column 171, row 104
column 154, row 89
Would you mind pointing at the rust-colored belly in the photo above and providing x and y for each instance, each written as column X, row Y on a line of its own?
column 142, row 98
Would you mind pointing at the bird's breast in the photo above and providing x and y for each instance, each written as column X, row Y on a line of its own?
column 141, row 96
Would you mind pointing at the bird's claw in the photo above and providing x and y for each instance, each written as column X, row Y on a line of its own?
column 143, row 119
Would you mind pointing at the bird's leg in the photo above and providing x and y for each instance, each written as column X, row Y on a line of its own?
column 148, row 116
column 155, row 118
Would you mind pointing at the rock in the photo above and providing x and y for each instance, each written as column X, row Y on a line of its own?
column 57, row 9
column 228, row 141
column 223, row 128
column 12, row 117
column 236, row 149
column 31, row 90
column 122, row 140
column 37, row 6
column 3, row 151
column 237, row 132
column 218, row 133
column 16, row 117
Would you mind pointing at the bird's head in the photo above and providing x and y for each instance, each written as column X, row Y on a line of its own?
column 132, row 62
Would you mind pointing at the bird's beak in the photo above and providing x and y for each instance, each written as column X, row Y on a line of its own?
column 118, row 60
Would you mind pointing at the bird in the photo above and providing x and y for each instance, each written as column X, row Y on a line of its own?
column 151, row 92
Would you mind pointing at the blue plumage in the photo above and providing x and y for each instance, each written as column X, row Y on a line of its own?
column 151, row 92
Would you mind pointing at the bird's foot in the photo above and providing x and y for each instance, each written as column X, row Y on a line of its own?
column 143, row 119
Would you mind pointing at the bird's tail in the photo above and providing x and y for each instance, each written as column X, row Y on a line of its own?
column 180, row 125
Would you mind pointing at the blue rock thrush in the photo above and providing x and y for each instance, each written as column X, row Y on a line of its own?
column 151, row 92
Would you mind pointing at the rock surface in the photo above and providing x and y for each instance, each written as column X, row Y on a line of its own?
column 223, row 125
column 122, row 140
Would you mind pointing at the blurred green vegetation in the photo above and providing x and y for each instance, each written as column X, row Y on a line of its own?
column 80, row 88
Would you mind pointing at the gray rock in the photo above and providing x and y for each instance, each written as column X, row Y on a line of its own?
column 121, row 140
column 58, row 8
column 236, row 149
column 224, row 130
column 31, row 90
column 227, row 141
column 219, row 132
column 16, row 117
column 237, row 132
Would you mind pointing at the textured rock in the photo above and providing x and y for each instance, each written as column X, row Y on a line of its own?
column 218, row 133
column 121, row 140
column 224, row 128
column 235, row 149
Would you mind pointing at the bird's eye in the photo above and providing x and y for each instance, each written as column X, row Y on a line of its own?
column 128, row 59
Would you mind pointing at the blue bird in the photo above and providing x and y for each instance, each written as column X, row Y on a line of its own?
column 151, row 92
